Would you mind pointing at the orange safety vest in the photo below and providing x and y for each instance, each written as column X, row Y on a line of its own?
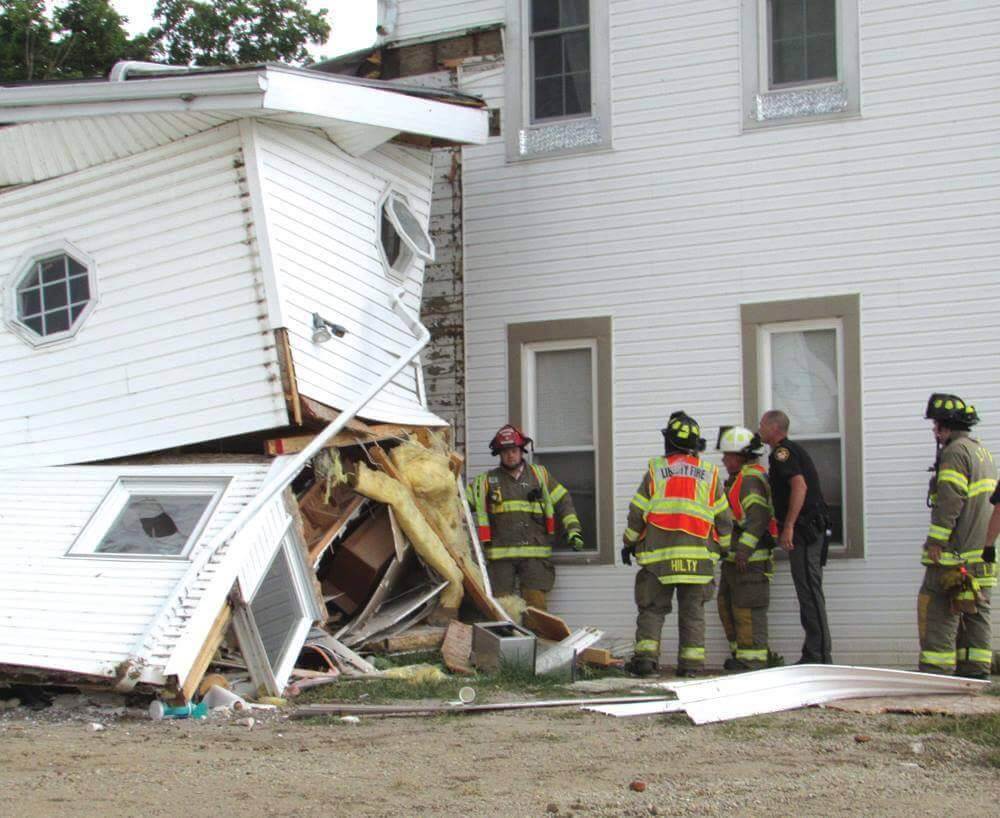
column 737, row 507
column 682, row 489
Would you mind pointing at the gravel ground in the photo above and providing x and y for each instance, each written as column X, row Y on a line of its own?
column 527, row 763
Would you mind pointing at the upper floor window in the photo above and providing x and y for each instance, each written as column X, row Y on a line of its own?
column 800, row 60
column 560, row 58
column 401, row 236
column 558, row 87
column 50, row 295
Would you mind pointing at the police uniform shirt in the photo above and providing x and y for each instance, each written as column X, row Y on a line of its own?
column 787, row 460
column 995, row 499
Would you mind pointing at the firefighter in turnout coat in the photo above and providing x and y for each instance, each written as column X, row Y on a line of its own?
column 747, row 567
column 517, row 508
column 678, row 521
column 953, row 606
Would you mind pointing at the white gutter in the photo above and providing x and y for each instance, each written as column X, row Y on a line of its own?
column 132, row 670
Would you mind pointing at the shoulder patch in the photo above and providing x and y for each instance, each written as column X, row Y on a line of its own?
column 781, row 454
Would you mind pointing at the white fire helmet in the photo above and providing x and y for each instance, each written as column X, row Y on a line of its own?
column 739, row 440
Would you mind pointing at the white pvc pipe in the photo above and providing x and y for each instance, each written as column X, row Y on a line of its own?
column 122, row 68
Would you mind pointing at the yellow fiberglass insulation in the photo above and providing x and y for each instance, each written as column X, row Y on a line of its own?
column 514, row 606
column 382, row 488
column 436, row 492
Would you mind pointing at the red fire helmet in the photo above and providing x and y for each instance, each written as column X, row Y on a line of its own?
column 507, row 437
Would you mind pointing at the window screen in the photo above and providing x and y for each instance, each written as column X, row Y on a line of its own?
column 276, row 610
column 564, row 397
column 159, row 525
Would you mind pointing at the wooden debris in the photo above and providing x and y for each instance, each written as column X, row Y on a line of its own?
column 599, row 657
column 457, row 648
column 421, row 637
column 323, row 522
column 204, row 658
column 546, row 625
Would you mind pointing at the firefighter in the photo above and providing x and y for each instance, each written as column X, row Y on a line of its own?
column 747, row 567
column 517, row 507
column 678, row 521
column 803, row 530
column 953, row 606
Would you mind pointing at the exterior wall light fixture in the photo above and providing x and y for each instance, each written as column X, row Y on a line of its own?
column 324, row 330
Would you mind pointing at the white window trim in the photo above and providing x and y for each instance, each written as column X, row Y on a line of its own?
column 22, row 267
column 585, row 133
column 117, row 498
column 764, row 385
column 529, row 407
column 409, row 251
column 764, row 107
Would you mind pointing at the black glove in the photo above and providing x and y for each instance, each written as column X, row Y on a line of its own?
column 990, row 553
column 627, row 552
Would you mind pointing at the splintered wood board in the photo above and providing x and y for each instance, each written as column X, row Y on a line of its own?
column 457, row 648
column 545, row 625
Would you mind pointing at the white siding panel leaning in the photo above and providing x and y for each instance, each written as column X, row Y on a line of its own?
column 87, row 614
column 419, row 18
column 688, row 218
column 178, row 348
column 323, row 221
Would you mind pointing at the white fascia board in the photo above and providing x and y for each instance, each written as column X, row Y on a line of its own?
column 331, row 99
column 32, row 103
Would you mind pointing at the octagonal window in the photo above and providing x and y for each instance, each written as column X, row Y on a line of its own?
column 50, row 295
column 401, row 235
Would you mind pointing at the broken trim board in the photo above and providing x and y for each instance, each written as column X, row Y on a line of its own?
column 565, row 652
column 395, row 613
column 311, row 710
column 656, row 708
column 546, row 625
column 322, row 639
column 788, row 688
column 457, row 648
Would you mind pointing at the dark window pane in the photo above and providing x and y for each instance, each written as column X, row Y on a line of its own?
column 787, row 63
column 575, row 470
column 77, row 310
column 156, row 525
column 75, row 267
column 53, row 269
column 391, row 242
column 821, row 16
column 577, row 49
column 79, row 289
column 56, row 322
column 825, row 455
column 786, row 19
column 544, row 15
column 34, row 324
column 548, row 56
column 32, row 279
column 573, row 13
column 31, row 303
column 548, row 97
column 822, row 57
column 54, row 295
column 577, row 94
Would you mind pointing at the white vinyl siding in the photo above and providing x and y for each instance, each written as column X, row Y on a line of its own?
column 419, row 18
column 178, row 347
column 688, row 219
column 88, row 614
column 322, row 212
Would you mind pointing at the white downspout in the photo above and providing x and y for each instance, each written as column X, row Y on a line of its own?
column 131, row 670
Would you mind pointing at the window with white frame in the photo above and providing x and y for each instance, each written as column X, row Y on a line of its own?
column 560, row 412
column 557, row 77
column 401, row 235
column 150, row 517
column 800, row 60
column 50, row 294
column 802, row 374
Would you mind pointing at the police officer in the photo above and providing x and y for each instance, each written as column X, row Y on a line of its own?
column 802, row 529
column 517, row 507
column 678, row 521
column 953, row 606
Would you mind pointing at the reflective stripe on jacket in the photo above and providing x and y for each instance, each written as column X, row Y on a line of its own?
column 749, row 496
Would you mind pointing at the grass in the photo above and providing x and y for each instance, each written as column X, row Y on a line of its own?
column 980, row 729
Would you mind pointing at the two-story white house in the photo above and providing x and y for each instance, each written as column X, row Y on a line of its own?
column 723, row 206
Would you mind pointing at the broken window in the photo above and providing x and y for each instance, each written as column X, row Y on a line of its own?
column 800, row 60
column 51, row 295
column 150, row 518
column 401, row 236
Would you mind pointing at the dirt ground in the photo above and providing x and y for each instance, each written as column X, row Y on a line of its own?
column 526, row 763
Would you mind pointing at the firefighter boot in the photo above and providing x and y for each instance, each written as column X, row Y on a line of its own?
column 641, row 666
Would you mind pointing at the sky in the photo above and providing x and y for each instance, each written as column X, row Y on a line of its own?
column 352, row 22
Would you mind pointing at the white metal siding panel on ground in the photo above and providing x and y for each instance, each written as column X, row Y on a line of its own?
column 85, row 614
column 688, row 218
column 419, row 18
column 323, row 221
column 41, row 150
column 178, row 349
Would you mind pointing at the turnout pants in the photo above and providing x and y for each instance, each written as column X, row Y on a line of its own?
column 535, row 575
column 807, row 574
column 952, row 642
column 742, row 602
column 654, row 601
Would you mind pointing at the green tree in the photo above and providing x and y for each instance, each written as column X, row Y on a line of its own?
column 84, row 38
column 232, row 32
